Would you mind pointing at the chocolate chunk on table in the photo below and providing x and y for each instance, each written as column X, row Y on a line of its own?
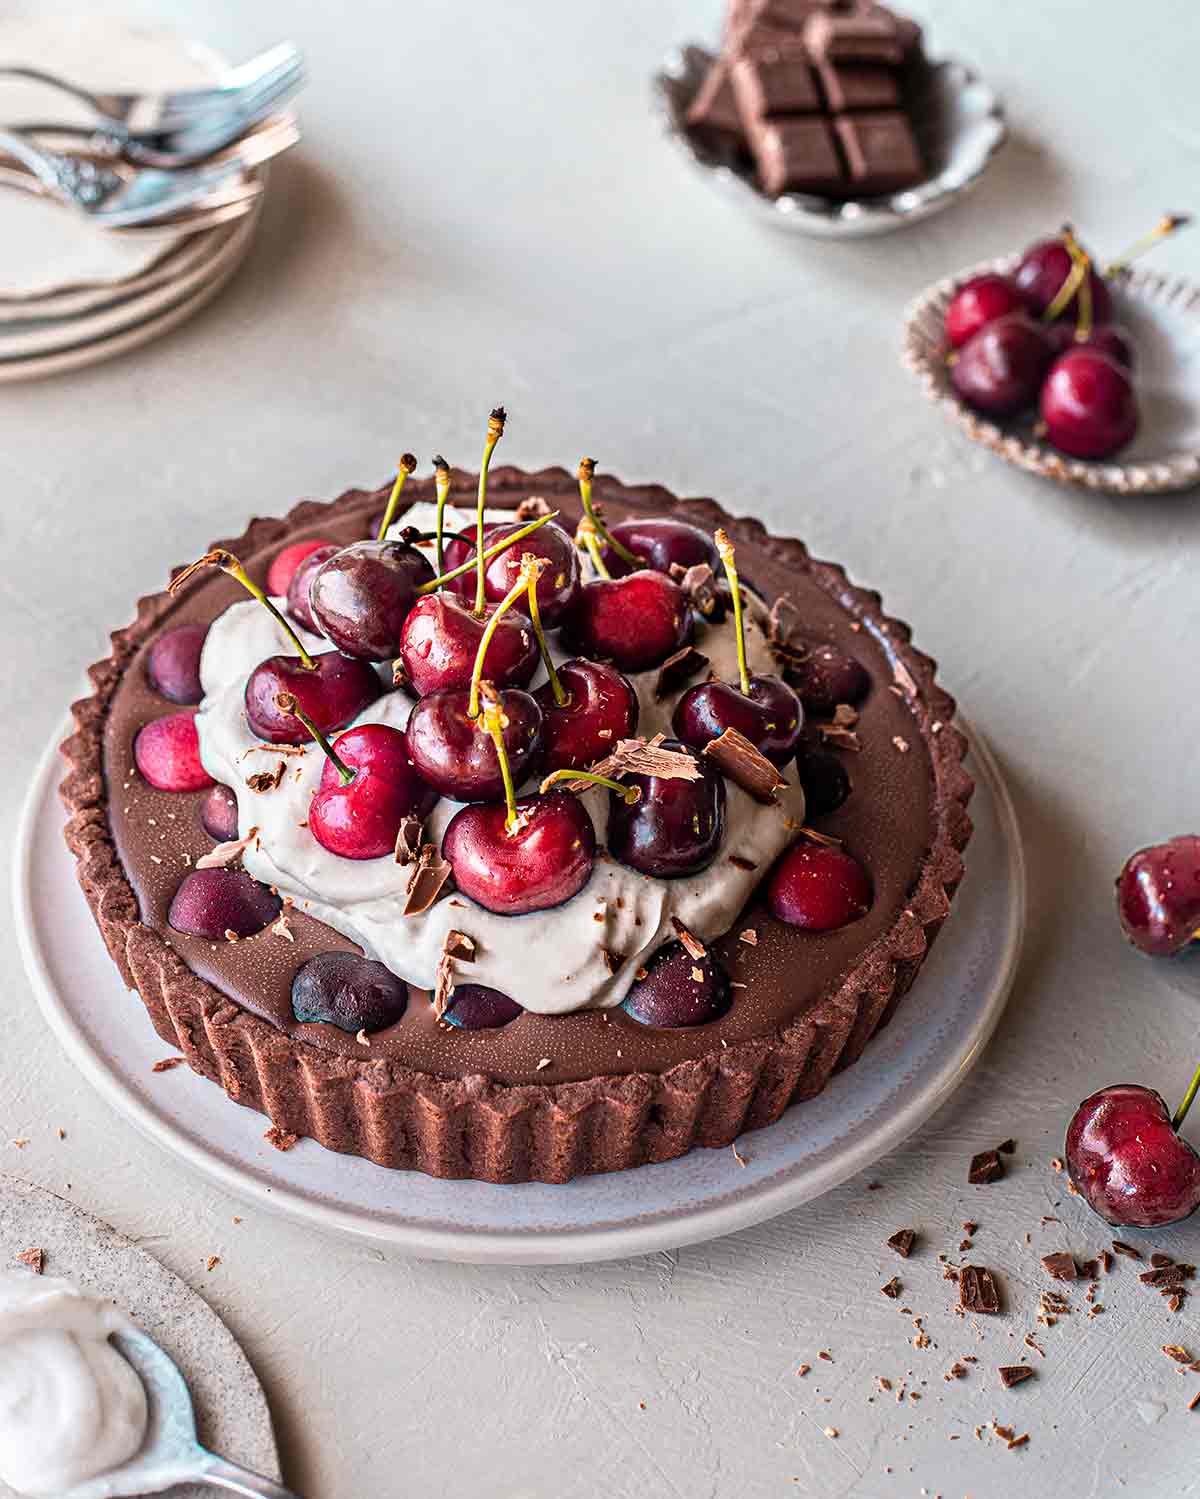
column 977, row 1290
column 797, row 155
column 985, row 1167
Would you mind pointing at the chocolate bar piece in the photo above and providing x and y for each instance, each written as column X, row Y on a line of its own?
column 881, row 152
column 774, row 82
column 856, row 86
column 796, row 155
column 854, row 36
column 714, row 107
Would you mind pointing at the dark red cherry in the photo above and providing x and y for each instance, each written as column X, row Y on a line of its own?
column 1111, row 339
column 1127, row 1160
column 825, row 676
column 770, row 717
column 459, row 547
column 1088, row 404
column 635, row 622
column 980, row 301
column 818, row 888
column 601, row 708
column 299, row 602
column 453, row 752
column 675, row 828
column 219, row 814
column 823, row 779
column 361, row 596
column 662, row 543
column 214, row 902
column 173, row 663
column 475, row 1007
column 1000, row 369
column 1040, row 276
column 167, row 754
column 352, row 992
column 440, row 641
column 1158, row 896
column 360, row 819
column 286, row 561
column 336, row 690
column 558, row 584
column 679, row 990
column 542, row 862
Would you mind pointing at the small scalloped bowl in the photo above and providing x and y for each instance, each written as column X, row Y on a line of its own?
column 1163, row 315
column 958, row 122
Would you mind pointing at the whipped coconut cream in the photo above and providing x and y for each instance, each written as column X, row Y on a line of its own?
column 71, row 1407
column 551, row 961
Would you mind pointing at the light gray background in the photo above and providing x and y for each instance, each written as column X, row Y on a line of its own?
column 482, row 211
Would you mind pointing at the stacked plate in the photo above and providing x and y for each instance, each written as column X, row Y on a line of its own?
column 72, row 294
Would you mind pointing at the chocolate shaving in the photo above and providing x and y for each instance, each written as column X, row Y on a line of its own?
column 977, row 1290
column 695, row 949
column 34, row 1258
column 739, row 862
column 839, row 737
column 985, row 1167
column 532, row 507
column 826, row 840
column 902, row 1242
column 699, row 587
column 227, row 853
column 1180, row 1355
column 892, row 1289
column 1127, row 1250
column 282, row 1139
column 429, row 875
column 1167, row 1275
column 459, row 945
column 777, row 628
column 745, row 765
column 408, row 841
column 749, row 936
column 1060, row 1266
column 644, row 757
column 1007, row 1147
column 844, row 716
column 612, row 960
column 168, row 1064
column 267, row 780
column 678, row 669
column 1158, row 1259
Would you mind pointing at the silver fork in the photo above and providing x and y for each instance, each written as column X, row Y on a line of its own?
column 152, row 112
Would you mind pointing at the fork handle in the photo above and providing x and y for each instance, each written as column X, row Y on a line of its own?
column 220, row 1473
column 96, row 102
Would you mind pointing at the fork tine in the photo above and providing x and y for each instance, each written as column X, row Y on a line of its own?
column 267, row 97
column 184, row 107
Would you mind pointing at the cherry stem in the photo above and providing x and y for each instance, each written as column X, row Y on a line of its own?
column 493, row 551
column 1168, row 224
column 1072, row 281
column 495, row 431
column 586, row 473
column 1080, row 257
column 230, row 565
column 506, row 603
column 586, row 532
column 406, row 465
column 286, row 703
column 493, row 722
column 532, row 568
column 725, row 549
column 441, row 479
column 630, row 794
column 1182, row 1111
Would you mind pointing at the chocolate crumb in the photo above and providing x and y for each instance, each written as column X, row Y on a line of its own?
column 745, row 765
column 282, row 1139
column 1175, row 1301
column 739, row 862
column 1194, row 1401
column 749, row 937
column 408, row 840
column 212, row 1262
column 678, row 669
column 839, row 737
column 1007, row 1147
column 977, row 1290
column 267, row 780
column 167, row 1064
column 1106, row 1261
column 532, row 507
column 900, row 743
column 1168, row 1275
column 543, row 1064
column 825, row 1354
column 1018, row 1441
column 1174, row 1351
column 1158, row 1259
column 1060, row 1266
column 970, row 1228
column 611, row 960
column 1126, row 1249
column 892, row 1289
column 1012, row 1374
column 803, row 1370
column 985, row 1167
column 34, row 1258
column 695, row 949
column 738, row 1156
column 429, row 875
column 902, row 1242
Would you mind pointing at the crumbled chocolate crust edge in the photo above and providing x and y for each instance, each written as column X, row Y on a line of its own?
column 475, row 1127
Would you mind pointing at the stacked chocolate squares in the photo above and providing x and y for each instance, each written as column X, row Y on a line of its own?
column 814, row 91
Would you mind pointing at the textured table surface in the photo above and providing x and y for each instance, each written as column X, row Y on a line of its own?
column 483, row 211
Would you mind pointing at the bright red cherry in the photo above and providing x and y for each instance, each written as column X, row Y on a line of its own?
column 453, row 752
column 299, row 601
column 1088, row 404
column 980, row 301
column 216, row 902
column 1044, row 269
column 542, row 861
column 286, row 561
column 825, row 676
column 662, row 543
column 635, row 622
column 999, row 371
column 361, row 596
column 173, row 663
column 1128, row 1161
column 335, row 690
column 440, row 641
column 818, row 888
column 1111, row 339
column 600, row 708
column 675, row 827
column 219, row 814
column 167, row 754
column 677, row 989
column 1158, row 896
column 360, row 817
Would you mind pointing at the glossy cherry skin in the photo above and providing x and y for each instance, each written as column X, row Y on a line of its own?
column 1040, row 276
column 1110, row 339
column 454, row 753
column 770, row 717
column 663, row 543
column 299, row 602
column 167, row 754
column 1127, row 1162
column 635, row 622
column 1158, row 896
column 335, row 691
column 440, row 640
column 675, row 828
column 173, row 663
column 349, row 991
column 542, row 863
column 601, row 708
column 823, row 778
column 361, row 596
column 476, row 1007
column 825, row 676
column 287, row 560
column 558, row 584
column 818, row 888
column 1088, row 404
column 672, row 995
column 1000, row 370
column 360, row 819
column 980, row 301
column 219, row 814
column 213, row 902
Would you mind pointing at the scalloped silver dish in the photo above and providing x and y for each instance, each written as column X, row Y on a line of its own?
column 959, row 124
column 1163, row 314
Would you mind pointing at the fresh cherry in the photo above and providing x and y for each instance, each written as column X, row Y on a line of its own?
column 677, row 989
column 1158, row 896
column 1111, row 339
column 823, row 779
column 1088, row 405
column 287, row 560
column 334, row 690
column 825, row 676
column 167, row 754
column 452, row 751
column 476, row 1007
column 599, row 708
column 635, row 622
column 558, row 584
column 214, row 902
column 660, row 543
column 441, row 638
column 1042, row 273
column 675, row 827
column 361, row 596
column 368, row 788
column 219, row 814
column 1000, row 369
column 818, row 888
column 349, row 991
column 980, row 301
column 173, row 663
column 540, row 860
column 1128, row 1161
column 299, row 603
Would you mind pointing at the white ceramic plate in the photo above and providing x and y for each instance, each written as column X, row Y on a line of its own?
column 231, row 1409
column 905, row 1073
column 1163, row 315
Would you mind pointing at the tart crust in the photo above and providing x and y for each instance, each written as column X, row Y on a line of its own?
column 474, row 1126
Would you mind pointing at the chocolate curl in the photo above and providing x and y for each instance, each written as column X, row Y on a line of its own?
column 744, row 764
column 642, row 757
column 226, row 853
column 408, row 840
column 425, row 884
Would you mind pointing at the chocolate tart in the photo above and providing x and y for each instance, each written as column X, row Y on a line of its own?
column 546, row 1097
